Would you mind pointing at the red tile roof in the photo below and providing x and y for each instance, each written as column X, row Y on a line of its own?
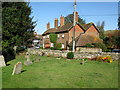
column 67, row 27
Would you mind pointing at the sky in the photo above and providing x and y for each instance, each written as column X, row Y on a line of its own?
column 95, row 12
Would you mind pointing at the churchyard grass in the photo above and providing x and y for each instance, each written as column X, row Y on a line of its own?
column 51, row 72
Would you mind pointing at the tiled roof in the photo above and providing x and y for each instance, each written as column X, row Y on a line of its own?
column 67, row 27
column 59, row 29
column 86, row 26
column 87, row 38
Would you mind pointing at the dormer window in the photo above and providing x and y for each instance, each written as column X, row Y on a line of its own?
column 58, row 35
column 63, row 36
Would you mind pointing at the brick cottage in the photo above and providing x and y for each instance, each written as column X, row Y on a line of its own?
column 84, row 33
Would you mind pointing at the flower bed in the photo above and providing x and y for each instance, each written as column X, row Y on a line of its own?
column 99, row 58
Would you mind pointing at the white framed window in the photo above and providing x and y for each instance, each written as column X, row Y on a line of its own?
column 43, row 36
column 63, row 36
column 58, row 35
column 63, row 45
column 47, row 36
column 51, row 45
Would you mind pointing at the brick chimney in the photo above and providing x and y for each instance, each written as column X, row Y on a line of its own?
column 62, row 21
column 76, row 16
column 56, row 23
column 48, row 25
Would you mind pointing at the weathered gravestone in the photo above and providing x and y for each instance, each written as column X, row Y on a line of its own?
column 17, row 68
column 37, row 60
column 2, row 61
column 28, row 62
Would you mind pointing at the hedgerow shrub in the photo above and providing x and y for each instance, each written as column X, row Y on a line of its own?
column 70, row 55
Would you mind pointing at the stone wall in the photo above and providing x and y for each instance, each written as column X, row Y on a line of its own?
column 84, row 49
column 77, row 54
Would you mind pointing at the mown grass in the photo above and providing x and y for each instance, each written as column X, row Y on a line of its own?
column 61, row 73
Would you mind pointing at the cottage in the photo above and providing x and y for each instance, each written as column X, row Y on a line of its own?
column 86, row 33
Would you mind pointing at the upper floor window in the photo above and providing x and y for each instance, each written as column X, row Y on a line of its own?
column 47, row 36
column 63, row 36
column 58, row 35
column 43, row 36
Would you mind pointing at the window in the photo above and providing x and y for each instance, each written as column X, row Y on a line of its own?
column 62, row 45
column 47, row 36
column 62, row 35
column 58, row 35
column 51, row 45
column 43, row 36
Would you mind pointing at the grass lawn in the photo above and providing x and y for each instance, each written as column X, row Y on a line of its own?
column 61, row 73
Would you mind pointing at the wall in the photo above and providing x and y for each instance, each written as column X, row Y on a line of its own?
column 92, row 30
column 84, row 49
column 61, row 39
column 77, row 54
column 78, row 30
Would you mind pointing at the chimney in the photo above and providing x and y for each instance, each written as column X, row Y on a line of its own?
column 62, row 21
column 76, row 16
column 56, row 23
column 48, row 25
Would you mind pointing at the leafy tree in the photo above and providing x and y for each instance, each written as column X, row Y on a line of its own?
column 18, row 26
column 119, row 23
column 101, row 28
column 53, row 38
column 112, row 39
column 100, row 45
column 70, row 18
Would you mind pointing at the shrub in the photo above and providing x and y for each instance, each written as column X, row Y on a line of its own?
column 58, row 46
column 70, row 55
column 89, row 45
column 100, row 45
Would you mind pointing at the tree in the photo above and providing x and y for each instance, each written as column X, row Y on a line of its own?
column 53, row 39
column 70, row 18
column 18, row 26
column 101, row 28
column 112, row 39
column 119, row 23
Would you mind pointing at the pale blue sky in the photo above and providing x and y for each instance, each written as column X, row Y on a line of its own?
column 45, row 12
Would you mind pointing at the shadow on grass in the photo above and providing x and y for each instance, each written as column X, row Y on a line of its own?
column 7, row 64
column 23, row 71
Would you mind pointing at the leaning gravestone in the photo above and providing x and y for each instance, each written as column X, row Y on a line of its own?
column 17, row 68
column 28, row 62
column 2, row 61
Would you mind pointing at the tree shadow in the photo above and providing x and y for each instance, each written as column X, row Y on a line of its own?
column 8, row 57
column 7, row 64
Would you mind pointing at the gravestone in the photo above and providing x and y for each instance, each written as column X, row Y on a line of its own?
column 28, row 62
column 37, row 60
column 2, row 61
column 17, row 68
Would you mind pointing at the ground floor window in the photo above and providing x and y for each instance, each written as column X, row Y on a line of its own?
column 63, row 46
column 51, row 45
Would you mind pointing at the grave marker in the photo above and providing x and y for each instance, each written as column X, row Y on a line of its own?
column 28, row 62
column 2, row 61
column 17, row 68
